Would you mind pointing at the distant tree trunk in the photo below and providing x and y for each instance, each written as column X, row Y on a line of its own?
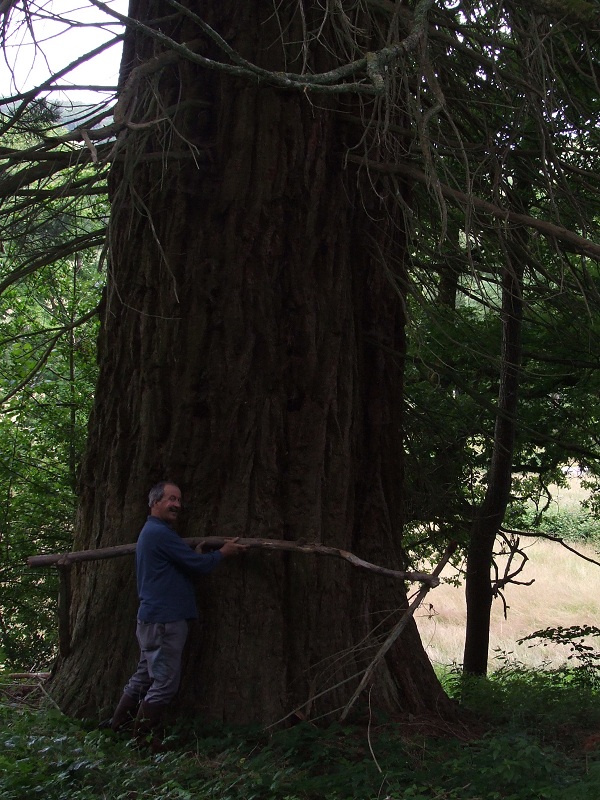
column 490, row 515
column 252, row 351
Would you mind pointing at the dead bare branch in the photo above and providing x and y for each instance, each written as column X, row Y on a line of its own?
column 551, row 538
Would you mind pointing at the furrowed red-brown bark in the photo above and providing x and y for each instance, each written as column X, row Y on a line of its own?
column 252, row 351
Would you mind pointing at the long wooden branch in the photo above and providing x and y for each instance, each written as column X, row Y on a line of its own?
column 67, row 559
column 33, row 676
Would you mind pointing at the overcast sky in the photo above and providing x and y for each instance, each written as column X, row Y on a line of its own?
column 59, row 45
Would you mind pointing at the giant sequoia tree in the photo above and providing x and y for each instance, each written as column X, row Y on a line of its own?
column 251, row 350
column 280, row 180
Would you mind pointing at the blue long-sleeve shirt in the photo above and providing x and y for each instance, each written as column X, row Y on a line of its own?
column 165, row 567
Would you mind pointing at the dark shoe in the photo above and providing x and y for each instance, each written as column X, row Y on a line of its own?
column 147, row 728
column 124, row 713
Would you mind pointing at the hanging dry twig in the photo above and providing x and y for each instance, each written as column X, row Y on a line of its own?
column 398, row 628
column 513, row 543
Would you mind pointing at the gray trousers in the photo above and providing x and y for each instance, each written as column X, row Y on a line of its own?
column 158, row 672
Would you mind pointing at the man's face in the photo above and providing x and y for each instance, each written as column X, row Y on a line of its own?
column 169, row 506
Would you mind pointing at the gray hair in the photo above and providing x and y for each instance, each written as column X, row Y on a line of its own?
column 157, row 492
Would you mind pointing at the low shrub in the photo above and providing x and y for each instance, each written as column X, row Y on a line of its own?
column 531, row 742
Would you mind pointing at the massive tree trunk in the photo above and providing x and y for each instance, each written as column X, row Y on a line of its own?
column 252, row 351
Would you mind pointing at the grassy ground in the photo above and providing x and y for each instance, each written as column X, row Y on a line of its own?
column 565, row 592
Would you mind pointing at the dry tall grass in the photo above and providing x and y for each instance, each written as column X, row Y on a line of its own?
column 566, row 591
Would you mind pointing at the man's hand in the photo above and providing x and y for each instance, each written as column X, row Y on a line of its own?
column 232, row 548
